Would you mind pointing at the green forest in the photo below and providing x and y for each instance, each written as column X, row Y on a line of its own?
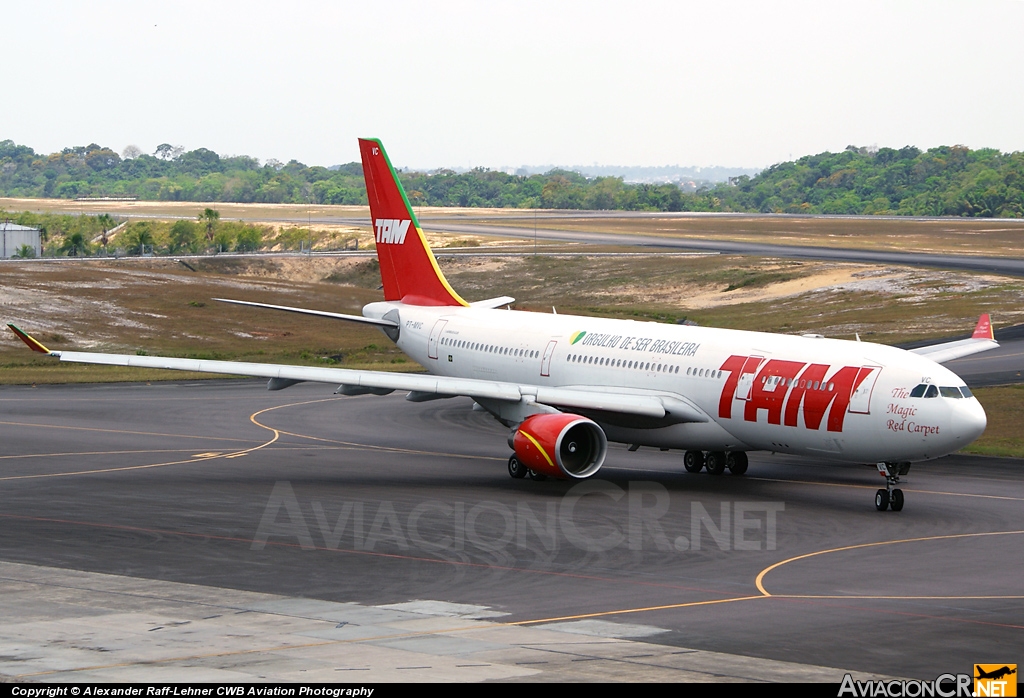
column 942, row 181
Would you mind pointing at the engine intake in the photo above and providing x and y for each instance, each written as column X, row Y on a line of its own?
column 564, row 446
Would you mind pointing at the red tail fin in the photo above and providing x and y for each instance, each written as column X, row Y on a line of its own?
column 407, row 266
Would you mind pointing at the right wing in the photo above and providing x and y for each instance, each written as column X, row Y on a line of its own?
column 983, row 339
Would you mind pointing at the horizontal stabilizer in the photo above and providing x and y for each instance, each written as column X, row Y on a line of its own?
column 318, row 313
column 493, row 302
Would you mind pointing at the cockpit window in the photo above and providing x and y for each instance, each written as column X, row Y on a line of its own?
column 950, row 392
column 932, row 391
column 966, row 391
column 918, row 390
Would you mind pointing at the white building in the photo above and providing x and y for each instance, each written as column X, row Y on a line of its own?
column 13, row 237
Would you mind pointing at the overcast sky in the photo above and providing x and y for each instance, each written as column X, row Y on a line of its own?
column 496, row 84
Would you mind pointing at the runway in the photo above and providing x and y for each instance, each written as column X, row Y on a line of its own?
column 199, row 527
column 998, row 265
column 1009, row 266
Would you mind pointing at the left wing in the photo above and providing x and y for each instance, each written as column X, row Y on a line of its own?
column 420, row 386
column 983, row 339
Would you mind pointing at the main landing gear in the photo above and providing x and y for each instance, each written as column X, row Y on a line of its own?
column 891, row 497
column 716, row 462
column 517, row 470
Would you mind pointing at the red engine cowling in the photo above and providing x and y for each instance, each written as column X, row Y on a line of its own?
column 564, row 446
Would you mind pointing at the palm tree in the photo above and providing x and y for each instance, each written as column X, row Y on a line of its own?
column 140, row 237
column 106, row 222
column 209, row 217
column 74, row 244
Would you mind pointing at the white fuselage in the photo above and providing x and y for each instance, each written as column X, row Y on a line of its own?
column 810, row 396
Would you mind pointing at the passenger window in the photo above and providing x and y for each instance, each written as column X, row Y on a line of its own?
column 932, row 391
column 950, row 392
column 918, row 390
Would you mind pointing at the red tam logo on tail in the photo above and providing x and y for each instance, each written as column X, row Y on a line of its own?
column 407, row 266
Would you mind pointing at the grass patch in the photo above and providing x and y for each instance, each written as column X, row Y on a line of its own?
column 1004, row 406
column 753, row 280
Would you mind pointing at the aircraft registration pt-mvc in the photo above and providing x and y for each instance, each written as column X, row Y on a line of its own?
column 566, row 385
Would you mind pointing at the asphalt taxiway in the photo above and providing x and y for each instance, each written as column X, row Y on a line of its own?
column 999, row 366
column 221, row 531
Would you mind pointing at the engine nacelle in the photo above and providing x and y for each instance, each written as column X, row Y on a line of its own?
column 564, row 446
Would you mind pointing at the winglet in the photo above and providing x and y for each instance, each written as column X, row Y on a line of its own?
column 984, row 328
column 33, row 343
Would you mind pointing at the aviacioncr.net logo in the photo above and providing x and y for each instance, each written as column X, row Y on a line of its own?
column 945, row 686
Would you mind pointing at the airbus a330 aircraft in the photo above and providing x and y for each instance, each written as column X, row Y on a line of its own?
column 566, row 385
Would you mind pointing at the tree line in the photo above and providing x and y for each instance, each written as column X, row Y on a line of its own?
column 84, row 235
column 942, row 181
column 946, row 180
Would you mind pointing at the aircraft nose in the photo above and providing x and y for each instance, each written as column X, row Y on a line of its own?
column 969, row 421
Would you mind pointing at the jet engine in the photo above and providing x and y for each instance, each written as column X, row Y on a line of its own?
column 563, row 446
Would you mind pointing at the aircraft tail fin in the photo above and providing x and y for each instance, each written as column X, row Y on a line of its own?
column 407, row 266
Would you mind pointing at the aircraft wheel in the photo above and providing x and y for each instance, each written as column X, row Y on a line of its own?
column 882, row 500
column 715, row 462
column 896, row 500
column 693, row 461
column 736, row 462
column 537, row 476
column 516, row 468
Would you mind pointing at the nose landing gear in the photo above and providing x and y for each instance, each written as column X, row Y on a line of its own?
column 891, row 497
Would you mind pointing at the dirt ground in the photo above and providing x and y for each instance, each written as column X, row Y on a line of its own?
column 128, row 302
